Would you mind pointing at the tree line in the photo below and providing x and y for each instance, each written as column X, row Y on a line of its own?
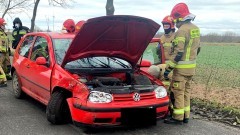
column 227, row 37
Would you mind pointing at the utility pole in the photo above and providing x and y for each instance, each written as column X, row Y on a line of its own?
column 47, row 19
column 109, row 7
column 53, row 22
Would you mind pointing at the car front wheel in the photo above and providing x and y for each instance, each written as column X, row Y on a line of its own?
column 57, row 109
column 16, row 85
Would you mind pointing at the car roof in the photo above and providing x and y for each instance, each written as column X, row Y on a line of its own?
column 61, row 35
column 54, row 34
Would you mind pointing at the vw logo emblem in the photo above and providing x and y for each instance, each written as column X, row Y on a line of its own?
column 136, row 97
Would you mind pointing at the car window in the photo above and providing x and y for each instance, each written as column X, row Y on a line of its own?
column 40, row 49
column 60, row 48
column 153, row 53
column 25, row 46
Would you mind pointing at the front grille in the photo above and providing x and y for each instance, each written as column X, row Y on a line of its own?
column 129, row 97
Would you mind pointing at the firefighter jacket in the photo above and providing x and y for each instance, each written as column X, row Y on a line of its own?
column 166, row 41
column 3, row 42
column 187, row 43
column 18, row 32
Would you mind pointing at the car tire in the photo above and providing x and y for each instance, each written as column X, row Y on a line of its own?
column 57, row 109
column 16, row 85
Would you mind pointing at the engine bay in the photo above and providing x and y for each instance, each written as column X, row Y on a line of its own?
column 119, row 83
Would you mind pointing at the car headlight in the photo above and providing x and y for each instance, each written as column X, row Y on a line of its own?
column 160, row 92
column 100, row 97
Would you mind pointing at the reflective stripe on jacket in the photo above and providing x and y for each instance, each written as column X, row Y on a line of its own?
column 187, row 40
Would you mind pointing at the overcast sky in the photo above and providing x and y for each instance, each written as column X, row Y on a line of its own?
column 216, row 16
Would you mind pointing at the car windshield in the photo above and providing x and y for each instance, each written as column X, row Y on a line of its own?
column 99, row 62
column 60, row 49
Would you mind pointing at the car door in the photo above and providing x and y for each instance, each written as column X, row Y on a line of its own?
column 40, row 74
column 153, row 55
column 23, row 62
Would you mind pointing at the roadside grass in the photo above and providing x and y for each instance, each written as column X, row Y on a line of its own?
column 216, row 111
column 215, row 105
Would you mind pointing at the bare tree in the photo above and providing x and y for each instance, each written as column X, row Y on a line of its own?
column 109, row 7
column 61, row 3
column 14, row 6
column 34, row 15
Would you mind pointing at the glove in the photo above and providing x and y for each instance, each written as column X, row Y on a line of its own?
column 166, row 73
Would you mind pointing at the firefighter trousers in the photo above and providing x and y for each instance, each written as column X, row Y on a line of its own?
column 5, row 63
column 181, row 87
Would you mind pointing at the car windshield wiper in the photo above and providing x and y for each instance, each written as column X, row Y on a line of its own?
column 119, row 62
column 102, row 64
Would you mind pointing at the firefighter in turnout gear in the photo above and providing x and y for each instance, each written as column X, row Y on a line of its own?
column 69, row 26
column 182, row 62
column 18, row 32
column 168, row 36
column 166, row 41
column 5, row 59
column 79, row 26
column 3, row 52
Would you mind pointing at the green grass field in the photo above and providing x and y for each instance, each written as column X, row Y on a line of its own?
column 217, row 64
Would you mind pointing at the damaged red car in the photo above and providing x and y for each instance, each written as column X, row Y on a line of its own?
column 94, row 77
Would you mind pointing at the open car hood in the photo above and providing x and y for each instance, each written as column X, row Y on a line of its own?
column 120, row 36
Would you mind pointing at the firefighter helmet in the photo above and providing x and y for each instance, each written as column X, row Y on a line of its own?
column 79, row 25
column 69, row 26
column 168, row 20
column 180, row 12
column 2, row 22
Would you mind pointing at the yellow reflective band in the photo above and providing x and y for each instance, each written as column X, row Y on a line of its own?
column 181, row 39
column 166, row 83
column 189, row 49
column 171, row 64
column 195, row 33
column 167, row 44
column 22, row 32
column 175, row 42
column 175, row 85
column 3, row 48
column 14, row 33
column 2, row 76
column 178, row 111
column 187, row 109
column 186, row 66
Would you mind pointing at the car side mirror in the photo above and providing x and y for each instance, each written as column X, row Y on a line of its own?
column 41, row 61
column 145, row 63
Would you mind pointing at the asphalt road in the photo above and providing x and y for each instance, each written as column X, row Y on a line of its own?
column 27, row 117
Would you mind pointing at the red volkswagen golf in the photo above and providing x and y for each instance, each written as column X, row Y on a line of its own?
column 92, row 78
